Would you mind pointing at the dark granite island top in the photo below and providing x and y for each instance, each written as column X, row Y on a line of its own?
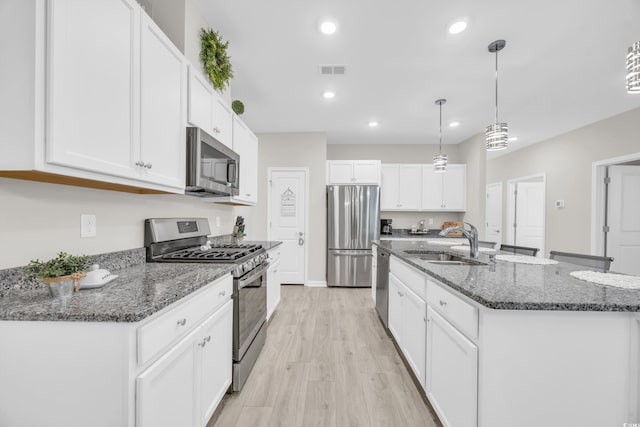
column 139, row 291
column 511, row 286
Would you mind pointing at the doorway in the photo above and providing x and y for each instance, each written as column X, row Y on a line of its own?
column 287, row 220
column 526, row 212
column 493, row 213
column 616, row 212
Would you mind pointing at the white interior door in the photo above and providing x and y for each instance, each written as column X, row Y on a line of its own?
column 623, row 215
column 529, row 228
column 493, row 213
column 287, row 221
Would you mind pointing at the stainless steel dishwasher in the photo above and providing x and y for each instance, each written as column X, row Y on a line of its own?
column 382, row 287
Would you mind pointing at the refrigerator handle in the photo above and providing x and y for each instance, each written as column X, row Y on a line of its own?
column 337, row 253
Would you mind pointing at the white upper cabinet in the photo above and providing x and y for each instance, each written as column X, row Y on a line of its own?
column 207, row 110
column 400, row 187
column 444, row 191
column 92, row 79
column 353, row 172
column 222, row 121
column 163, row 87
column 200, row 107
column 245, row 143
column 108, row 98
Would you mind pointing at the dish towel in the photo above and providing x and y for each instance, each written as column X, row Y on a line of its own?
column 524, row 259
column 610, row 279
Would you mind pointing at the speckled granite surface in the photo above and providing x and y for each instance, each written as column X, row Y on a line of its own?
column 509, row 286
column 137, row 293
column 404, row 233
column 11, row 278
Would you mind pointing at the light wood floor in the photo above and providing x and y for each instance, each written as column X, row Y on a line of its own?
column 327, row 361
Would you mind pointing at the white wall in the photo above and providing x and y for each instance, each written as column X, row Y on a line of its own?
column 296, row 150
column 473, row 153
column 567, row 160
column 37, row 220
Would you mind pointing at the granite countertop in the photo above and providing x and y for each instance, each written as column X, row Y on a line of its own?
column 511, row 286
column 267, row 244
column 139, row 291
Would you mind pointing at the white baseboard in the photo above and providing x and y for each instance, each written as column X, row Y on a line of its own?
column 316, row 283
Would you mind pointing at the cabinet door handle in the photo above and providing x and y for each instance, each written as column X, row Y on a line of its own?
column 443, row 303
column 148, row 166
column 182, row 322
column 208, row 338
column 216, row 130
column 400, row 293
column 140, row 163
column 223, row 293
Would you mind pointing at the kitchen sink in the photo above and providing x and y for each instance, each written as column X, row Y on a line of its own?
column 444, row 258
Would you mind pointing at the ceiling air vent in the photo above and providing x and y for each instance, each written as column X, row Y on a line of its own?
column 326, row 70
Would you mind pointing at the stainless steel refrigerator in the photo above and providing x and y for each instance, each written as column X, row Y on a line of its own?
column 353, row 213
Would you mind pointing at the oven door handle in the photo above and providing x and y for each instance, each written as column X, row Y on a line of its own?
column 242, row 283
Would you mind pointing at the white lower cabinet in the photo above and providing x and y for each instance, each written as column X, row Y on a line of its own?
column 215, row 365
column 452, row 373
column 170, row 369
column 184, row 387
column 166, row 391
column 274, row 282
column 407, row 323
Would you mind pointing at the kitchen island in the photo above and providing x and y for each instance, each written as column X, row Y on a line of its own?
column 503, row 344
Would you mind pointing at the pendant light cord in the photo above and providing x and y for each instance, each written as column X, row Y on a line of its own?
column 496, row 87
column 440, row 128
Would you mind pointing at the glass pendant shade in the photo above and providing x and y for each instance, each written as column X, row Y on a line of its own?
column 440, row 162
column 440, row 159
column 633, row 68
column 497, row 136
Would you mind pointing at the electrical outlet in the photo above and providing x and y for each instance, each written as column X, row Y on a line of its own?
column 217, row 221
column 88, row 226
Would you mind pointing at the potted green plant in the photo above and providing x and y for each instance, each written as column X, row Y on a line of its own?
column 60, row 273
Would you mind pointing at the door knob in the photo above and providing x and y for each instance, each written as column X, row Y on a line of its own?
column 300, row 239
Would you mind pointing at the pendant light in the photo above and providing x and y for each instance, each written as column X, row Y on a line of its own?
column 633, row 68
column 497, row 134
column 440, row 159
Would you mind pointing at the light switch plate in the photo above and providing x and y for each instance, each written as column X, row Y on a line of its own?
column 88, row 226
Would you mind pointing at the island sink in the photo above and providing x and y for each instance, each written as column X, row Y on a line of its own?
column 440, row 257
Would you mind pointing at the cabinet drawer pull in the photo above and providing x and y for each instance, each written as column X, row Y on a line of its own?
column 148, row 166
column 401, row 293
column 223, row 293
column 140, row 163
column 182, row 322
column 443, row 303
column 216, row 130
column 208, row 338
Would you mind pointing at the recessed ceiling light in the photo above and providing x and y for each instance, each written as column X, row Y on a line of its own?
column 327, row 94
column 457, row 26
column 373, row 124
column 513, row 138
column 328, row 27
column 454, row 124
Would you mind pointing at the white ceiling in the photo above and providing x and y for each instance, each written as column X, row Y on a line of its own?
column 562, row 68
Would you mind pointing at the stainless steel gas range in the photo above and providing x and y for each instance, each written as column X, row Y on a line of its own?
column 185, row 240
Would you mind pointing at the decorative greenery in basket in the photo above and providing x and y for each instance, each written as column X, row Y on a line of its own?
column 238, row 107
column 62, row 268
column 214, row 57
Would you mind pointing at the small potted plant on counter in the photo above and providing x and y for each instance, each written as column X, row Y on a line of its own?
column 62, row 274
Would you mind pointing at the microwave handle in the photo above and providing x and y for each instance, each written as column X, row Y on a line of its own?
column 231, row 173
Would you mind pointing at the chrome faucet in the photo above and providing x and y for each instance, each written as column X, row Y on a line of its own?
column 472, row 235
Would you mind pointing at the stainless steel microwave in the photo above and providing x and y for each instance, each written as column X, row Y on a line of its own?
column 212, row 167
